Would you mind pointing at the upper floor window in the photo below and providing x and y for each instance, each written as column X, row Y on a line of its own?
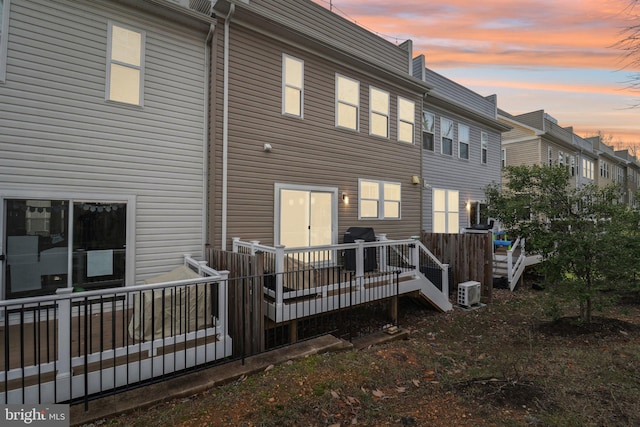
column 484, row 147
column 347, row 102
column 125, row 65
column 560, row 158
column 379, row 110
column 4, row 27
column 379, row 199
column 406, row 120
column 446, row 133
column 292, row 86
column 573, row 165
column 503, row 157
column 428, row 129
column 463, row 141
column 587, row 169
column 550, row 156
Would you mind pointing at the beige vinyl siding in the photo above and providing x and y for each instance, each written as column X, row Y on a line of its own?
column 57, row 133
column 309, row 151
column 524, row 153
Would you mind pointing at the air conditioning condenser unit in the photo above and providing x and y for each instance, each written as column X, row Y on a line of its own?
column 468, row 293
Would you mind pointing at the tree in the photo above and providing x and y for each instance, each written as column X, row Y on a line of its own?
column 630, row 45
column 587, row 238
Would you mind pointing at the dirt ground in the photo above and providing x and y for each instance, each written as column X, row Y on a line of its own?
column 505, row 364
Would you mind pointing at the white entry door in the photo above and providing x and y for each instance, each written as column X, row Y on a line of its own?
column 306, row 216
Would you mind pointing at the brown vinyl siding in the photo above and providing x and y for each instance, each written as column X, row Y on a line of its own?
column 308, row 151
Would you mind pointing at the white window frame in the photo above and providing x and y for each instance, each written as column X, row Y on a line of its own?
column 340, row 101
column 484, row 147
column 431, row 130
column 378, row 113
column 381, row 200
column 71, row 198
column 550, row 156
column 560, row 158
column 446, row 135
column 450, row 228
column 572, row 159
column 139, row 68
column 4, row 31
column 462, row 142
column 406, row 119
column 288, row 84
column 503, row 157
column 587, row 169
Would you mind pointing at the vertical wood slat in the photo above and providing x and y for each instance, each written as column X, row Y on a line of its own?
column 469, row 255
column 246, row 317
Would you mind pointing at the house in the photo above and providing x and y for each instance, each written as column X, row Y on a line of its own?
column 103, row 141
column 536, row 138
column 461, row 149
column 317, row 128
column 630, row 171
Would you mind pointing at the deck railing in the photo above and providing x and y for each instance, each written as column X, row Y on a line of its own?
column 515, row 262
column 320, row 270
column 74, row 345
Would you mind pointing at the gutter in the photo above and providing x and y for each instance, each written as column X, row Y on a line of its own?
column 225, row 127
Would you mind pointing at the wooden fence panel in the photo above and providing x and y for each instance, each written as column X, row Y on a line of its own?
column 470, row 256
column 246, row 317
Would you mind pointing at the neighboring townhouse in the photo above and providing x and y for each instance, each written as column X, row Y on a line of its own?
column 461, row 149
column 317, row 127
column 608, row 164
column 536, row 138
column 103, row 141
column 631, row 178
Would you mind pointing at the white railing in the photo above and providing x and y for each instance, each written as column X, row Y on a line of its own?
column 382, row 256
column 516, row 262
column 74, row 344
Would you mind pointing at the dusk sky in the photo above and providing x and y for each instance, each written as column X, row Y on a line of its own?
column 544, row 54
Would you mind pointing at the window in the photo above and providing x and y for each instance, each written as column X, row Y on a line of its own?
column 503, row 157
column 55, row 244
column 347, row 102
column 428, row 129
column 4, row 26
column 379, row 112
column 446, row 211
column 550, row 156
column 406, row 120
column 604, row 169
column 446, row 133
column 379, row 199
column 587, row 169
column 484, row 147
column 463, row 141
column 292, row 86
column 573, row 165
column 125, row 65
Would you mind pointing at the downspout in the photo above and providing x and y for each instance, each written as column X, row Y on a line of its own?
column 225, row 126
column 205, row 138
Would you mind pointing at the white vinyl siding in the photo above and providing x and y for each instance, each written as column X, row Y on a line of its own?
column 4, row 29
column 347, row 102
column 379, row 199
column 59, row 136
column 292, row 86
column 406, row 120
column 379, row 112
column 125, row 64
column 446, row 216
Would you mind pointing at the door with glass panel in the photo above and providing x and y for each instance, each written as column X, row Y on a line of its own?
column 306, row 219
column 51, row 244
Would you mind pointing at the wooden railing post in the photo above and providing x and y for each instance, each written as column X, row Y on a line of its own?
column 445, row 280
column 280, row 272
column 382, row 254
column 360, row 258
column 510, row 265
column 223, row 302
column 236, row 241
column 63, row 364
column 254, row 243
column 414, row 251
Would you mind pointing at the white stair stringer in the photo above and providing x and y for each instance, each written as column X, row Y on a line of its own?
column 417, row 282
